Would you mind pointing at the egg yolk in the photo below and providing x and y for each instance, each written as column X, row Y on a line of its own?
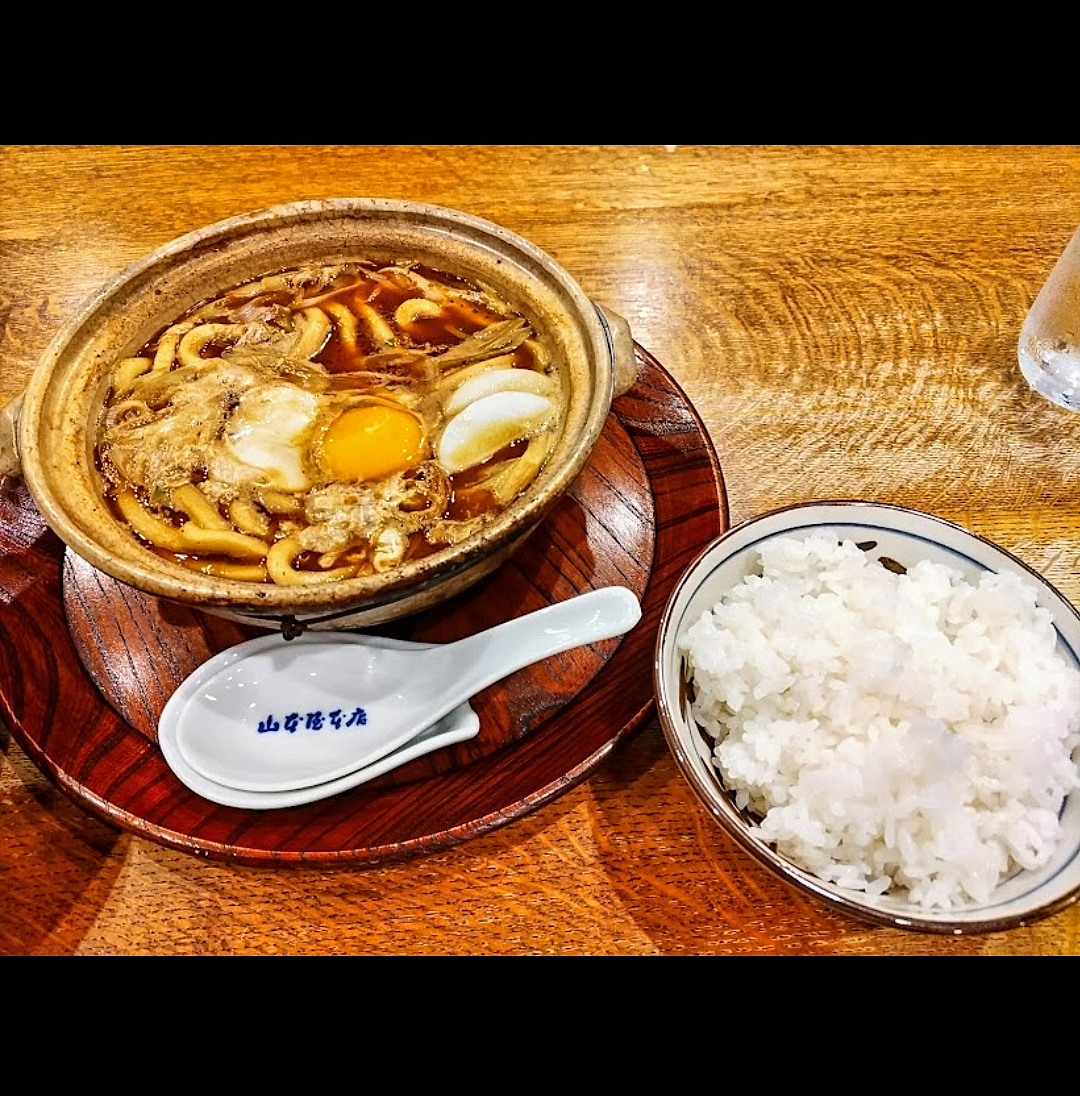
column 372, row 441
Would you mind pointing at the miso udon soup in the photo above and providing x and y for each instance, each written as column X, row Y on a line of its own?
column 327, row 423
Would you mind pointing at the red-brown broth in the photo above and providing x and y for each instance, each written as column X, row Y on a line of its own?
column 345, row 365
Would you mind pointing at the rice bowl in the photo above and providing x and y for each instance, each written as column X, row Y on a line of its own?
column 906, row 817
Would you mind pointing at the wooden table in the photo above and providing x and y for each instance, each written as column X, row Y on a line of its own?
column 844, row 320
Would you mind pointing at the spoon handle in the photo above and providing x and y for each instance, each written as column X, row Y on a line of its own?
column 482, row 659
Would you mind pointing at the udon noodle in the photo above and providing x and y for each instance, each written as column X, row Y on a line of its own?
column 327, row 423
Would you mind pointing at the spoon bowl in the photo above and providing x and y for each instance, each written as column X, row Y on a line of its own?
column 459, row 726
column 287, row 715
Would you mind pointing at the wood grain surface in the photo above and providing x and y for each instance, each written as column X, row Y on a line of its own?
column 844, row 321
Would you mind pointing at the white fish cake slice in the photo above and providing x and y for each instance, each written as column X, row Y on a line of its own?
column 489, row 424
column 498, row 380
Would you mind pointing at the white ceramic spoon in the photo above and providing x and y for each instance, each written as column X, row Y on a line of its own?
column 291, row 715
column 457, row 726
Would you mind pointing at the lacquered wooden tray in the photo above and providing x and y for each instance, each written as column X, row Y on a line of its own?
column 86, row 664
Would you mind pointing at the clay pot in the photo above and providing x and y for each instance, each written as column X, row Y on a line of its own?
column 50, row 426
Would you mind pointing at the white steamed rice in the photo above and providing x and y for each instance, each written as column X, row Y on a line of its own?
column 910, row 733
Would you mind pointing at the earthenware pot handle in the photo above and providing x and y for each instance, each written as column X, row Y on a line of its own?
column 622, row 349
column 10, row 464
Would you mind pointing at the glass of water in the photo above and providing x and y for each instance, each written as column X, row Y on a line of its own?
column 1050, row 336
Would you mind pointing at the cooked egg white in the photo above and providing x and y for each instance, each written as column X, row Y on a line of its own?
column 269, row 432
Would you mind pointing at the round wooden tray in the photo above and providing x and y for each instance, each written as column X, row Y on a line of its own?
column 86, row 664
